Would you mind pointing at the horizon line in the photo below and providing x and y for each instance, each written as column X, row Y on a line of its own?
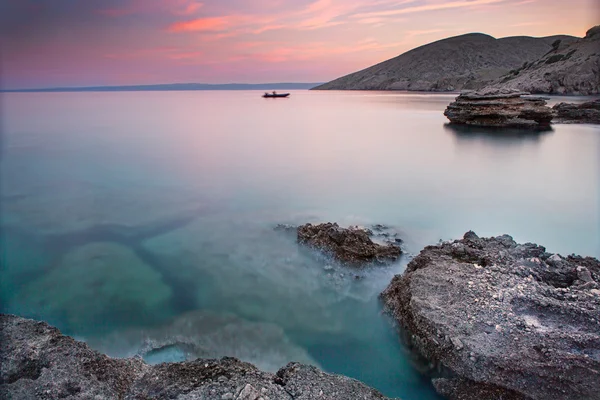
column 170, row 86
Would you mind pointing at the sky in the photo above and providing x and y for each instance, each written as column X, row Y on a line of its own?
column 50, row 43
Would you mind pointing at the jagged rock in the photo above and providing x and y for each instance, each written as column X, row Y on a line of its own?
column 348, row 245
column 39, row 362
column 500, row 108
column 584, row 113
column 502, row 319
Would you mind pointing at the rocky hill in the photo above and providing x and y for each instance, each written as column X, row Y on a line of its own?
column 569, row 68
column 462, row 62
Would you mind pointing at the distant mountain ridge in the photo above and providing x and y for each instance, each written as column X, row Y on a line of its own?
column 467, row 61
column 175, row 86
column 569, row 68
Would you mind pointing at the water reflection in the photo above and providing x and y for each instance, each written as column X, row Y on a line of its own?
column 496, row 136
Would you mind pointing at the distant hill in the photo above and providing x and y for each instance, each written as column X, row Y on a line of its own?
column 462, row 62
column 569, row 68
column 177, row 86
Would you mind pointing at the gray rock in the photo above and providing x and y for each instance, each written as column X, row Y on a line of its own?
column 39, row 362
column 527, row 327
column 499, row 108
column 351, row 245
column 584, row 274
column 584, row 113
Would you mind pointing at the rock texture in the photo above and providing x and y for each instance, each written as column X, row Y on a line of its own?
column 568, row 68
column 39, row 362
column 502, row 320
column 348, row 245
column 463, row 62
column 584, row 113
column 500, row 108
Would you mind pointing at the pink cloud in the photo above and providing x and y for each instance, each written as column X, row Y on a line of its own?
column 189, row 9
column 426, row 7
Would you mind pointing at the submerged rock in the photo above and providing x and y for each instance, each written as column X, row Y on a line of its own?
column 500, row 109
column 39, row 362
column 584, row 113
column 505, row 320
column 348, row 245
column 96, row 283
column 204, row 334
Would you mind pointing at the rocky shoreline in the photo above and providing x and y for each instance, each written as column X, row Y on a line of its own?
column 502, row 320
column 492, row 318
column 39, row 362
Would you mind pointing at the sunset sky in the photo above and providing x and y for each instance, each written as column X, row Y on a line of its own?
column 48, row 43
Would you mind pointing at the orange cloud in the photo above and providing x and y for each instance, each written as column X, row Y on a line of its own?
column 201, row 25
column 186, row 55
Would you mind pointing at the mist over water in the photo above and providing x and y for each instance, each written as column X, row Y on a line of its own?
column 143, row 222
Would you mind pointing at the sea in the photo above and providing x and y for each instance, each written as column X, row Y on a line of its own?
column 144, row 223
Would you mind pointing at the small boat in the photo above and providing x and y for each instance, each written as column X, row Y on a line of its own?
column 275, row 95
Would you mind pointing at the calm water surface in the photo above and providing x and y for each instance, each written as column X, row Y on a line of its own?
column 127, row 215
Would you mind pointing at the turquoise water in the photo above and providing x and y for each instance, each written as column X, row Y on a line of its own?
column 128, row 216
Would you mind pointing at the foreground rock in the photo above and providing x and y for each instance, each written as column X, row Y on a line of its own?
column 500, row 109
column 348, row 245
column 503, row 320
column 39, row 362
column 585, row 113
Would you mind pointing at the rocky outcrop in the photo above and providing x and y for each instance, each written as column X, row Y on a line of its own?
column 502, row 319
column 462, row 62
column 584, row 113
column 351, row 245
column 500, row 108
column 571, row 67
column 39, row 362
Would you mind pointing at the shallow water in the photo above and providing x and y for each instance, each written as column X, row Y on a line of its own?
column 125, row 214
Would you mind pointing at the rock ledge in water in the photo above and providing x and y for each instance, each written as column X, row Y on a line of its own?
column 585, row 113
column 506, row 320
column 348, row 245
column 39, row 362
column 500, row 109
